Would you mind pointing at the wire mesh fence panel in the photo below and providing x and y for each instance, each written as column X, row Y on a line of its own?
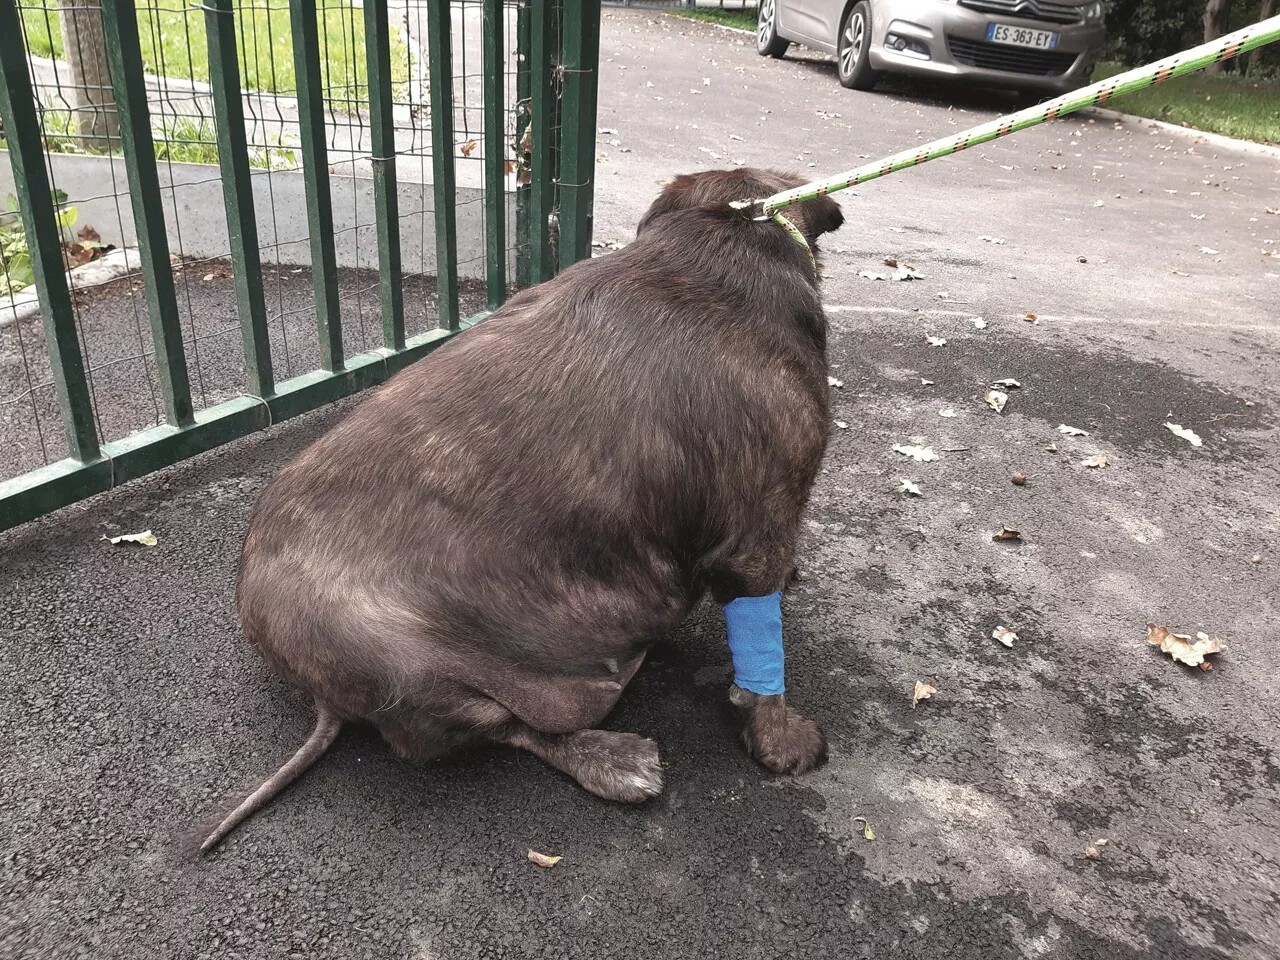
column 685, row 4
column 258, row 211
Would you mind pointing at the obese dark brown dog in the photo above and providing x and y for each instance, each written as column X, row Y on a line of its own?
column 487, row 547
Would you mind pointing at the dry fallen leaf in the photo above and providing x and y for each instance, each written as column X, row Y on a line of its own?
column 922, row 692
column 979, row 323
column 996, row 399
column 1097, row 460
column 833, row 382
column 1005, row 636
column 1051, row 448
column 936, row 341
column 1072, row 431
column 1008, row 383
column 919, row 454
column 1031, row 317
column 542, row 860
column 468, row 148
column 991, row 239
column 872, row 275
column 907, row 272
column 1181, row 647
column 948, row 413
column 867, row 832
column 146, row 538
column 925, row 383
column 1005, row 534
column 1188, row 435
column 889, row 262
column 1209, row 250
column 908, row 487
column 843, row 425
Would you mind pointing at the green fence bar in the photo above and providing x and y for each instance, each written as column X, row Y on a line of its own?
column 440, row 53
column 578, row 135
column 542, row 106
column 495, row 177
column 523, row 182
column 44, row 240
column 237, row 194
column 124, row 56
column 41, row 491
column 315, row 173
column 382, row 129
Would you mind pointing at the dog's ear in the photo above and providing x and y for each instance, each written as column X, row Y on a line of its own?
column 822, row 215
column 677, row 194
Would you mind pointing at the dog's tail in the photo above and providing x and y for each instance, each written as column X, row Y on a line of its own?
column 326, row 730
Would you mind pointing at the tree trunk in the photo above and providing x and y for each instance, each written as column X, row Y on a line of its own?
column 92, row 99
column 1255, row 58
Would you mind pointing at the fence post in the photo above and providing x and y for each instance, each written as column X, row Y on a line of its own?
column 524, row 179
column 542, row 108
column 44, row 237
column 124, row 54
column 237, row 194
column 578, row 139
column 440, row 53
column 315, row 174
column 495, row 177
column 382, row 130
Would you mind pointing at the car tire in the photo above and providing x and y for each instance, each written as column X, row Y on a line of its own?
column 768, row 43
column 853, row 49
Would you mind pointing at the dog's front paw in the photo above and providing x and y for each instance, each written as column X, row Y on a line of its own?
column 778, row 736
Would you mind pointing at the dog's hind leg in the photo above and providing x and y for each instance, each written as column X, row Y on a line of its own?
column 623, row 767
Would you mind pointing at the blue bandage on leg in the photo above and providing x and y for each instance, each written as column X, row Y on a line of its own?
column 755, row 641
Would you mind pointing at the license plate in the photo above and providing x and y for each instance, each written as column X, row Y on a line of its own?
column 1021, row 36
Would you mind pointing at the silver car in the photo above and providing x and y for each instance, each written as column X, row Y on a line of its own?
column 1038, row 46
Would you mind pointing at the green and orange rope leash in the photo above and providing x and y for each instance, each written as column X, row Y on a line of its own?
column 1197, row 58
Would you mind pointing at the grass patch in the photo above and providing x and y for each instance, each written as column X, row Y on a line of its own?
column 174, row 45
column 1232, row 106
column 179, row 140
column 742, row 19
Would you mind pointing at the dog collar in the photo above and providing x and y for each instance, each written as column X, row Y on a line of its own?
column 757, row 206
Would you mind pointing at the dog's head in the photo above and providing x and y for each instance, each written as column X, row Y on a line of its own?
column 718, row 188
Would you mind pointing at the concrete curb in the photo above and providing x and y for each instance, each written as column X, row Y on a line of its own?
column 26, row 302
column 1190, row 133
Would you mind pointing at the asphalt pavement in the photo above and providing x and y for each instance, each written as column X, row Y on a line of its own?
column 130, row 705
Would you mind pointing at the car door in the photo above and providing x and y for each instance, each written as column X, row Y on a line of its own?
column 804, row 20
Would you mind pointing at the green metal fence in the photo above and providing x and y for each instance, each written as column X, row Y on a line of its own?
column 305, row 196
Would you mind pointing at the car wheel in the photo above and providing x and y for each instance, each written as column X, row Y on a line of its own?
column 768, row 43
column 853, row 49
